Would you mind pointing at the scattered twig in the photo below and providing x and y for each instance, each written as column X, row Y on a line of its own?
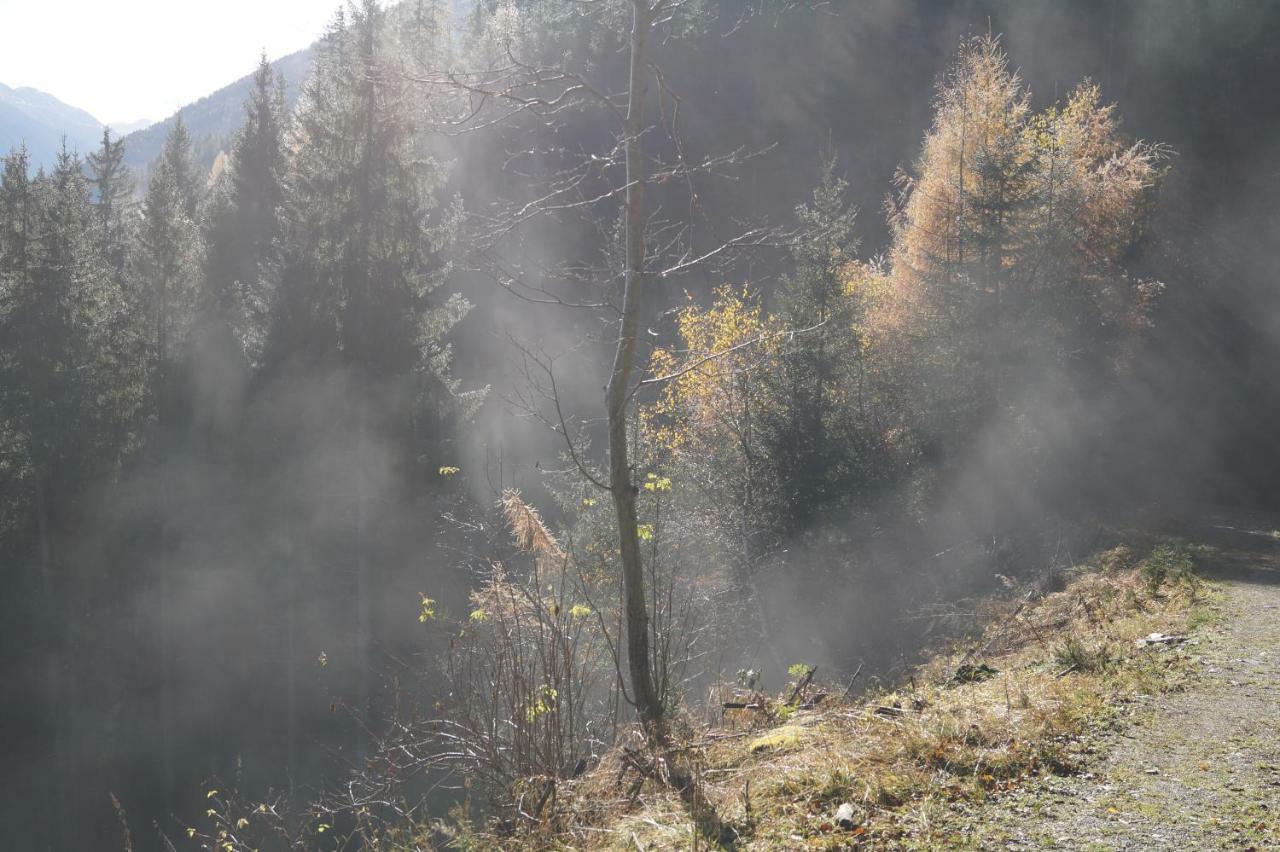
column 849, row 689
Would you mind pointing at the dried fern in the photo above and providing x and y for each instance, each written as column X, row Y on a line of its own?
column 527, row 527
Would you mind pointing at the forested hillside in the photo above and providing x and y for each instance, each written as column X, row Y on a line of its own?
column 506, row 378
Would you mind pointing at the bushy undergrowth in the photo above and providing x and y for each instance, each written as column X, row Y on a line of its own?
column 1074, row 655
column 1170, row 562
column 1062, row 667
column 1056, row 668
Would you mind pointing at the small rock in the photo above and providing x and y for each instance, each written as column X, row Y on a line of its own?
column 1160, row 639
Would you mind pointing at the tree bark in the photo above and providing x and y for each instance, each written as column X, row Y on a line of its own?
column 362, row 586
column 643, row 693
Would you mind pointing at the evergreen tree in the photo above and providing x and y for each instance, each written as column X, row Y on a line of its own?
column 58, row 406
column 359, row 268
column 812, row 428
column 113, row 200
column 242, row 221
column 58, row 305
column 360, row 260
column 165, row 270
column 18, row 209
column 19, row 214
column 165, row 264
column 178, row 159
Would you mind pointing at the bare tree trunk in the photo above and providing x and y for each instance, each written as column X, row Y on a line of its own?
column 291, row 675
column 46, row 547
column 57, row 792
column 166, row 657
column 362, row 585
column 643, row 692
column 161, row 379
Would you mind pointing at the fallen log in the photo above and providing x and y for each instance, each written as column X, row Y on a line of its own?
column 889, row 712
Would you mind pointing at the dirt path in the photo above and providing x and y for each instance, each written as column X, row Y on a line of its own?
column 1198, row 769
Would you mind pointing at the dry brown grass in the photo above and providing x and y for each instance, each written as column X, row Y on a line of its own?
column 1068, row 664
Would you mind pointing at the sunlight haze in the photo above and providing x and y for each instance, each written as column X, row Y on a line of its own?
column 145, row 58
column 749, row 425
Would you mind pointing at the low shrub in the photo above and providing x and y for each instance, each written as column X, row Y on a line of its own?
column 1171, row 562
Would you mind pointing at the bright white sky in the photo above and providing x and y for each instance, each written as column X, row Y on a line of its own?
column 122, row 60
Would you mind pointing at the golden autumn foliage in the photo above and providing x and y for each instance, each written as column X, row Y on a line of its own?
column 1009, row 238
column 1005, row 281
column 701, row 433
column 708, row 398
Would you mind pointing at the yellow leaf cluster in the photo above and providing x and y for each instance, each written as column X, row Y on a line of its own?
column 719, row 346
column 428, row 610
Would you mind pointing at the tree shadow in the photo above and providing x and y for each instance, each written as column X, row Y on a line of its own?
column 1246, row 547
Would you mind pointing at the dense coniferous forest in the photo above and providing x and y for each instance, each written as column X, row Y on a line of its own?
column 530, row 367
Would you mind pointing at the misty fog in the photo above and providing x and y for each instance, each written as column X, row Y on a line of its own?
column 302, row 421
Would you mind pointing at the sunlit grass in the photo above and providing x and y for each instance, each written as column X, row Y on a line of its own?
column 1066, row 667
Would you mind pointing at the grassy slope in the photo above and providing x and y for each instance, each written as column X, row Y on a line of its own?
column 1068, row 670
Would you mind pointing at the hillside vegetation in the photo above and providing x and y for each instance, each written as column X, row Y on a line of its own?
column 521, row 423
column 913, row 763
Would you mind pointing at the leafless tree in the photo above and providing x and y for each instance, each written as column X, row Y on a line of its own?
column 506, row 88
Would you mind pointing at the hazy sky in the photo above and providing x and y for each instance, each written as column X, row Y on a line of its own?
column 123, row 60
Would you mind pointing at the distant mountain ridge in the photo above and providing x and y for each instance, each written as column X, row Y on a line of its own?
column 41, row 122
column 213, row 119
column 127, row 127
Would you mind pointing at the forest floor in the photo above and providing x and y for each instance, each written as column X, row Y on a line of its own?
column 1196, row 769
column 1077, row 737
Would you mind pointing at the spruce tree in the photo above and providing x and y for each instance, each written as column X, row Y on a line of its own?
column 58, row 305
column 113, row 188
column 164, row 262
column 59, row 412
column 165, row 266
column 242, row 220
column 177, row 157
column 361, row 258
column 360, row 266
column 19, row 212
column 812, row 430
column 359, row 248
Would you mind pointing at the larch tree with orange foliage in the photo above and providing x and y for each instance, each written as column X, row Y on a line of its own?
column 1009, row 239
